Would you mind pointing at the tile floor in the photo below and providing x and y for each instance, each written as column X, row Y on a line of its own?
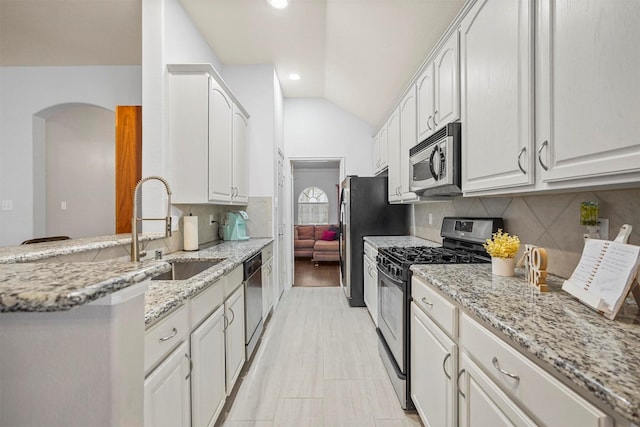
column 317, row 365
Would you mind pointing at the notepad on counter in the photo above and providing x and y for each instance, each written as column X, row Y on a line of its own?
column 604, row 276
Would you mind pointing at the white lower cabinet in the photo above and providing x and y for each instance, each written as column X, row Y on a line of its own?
column 434, row 359
column 208, row 391
column 166, row 392
column 234, row 337
column 370, row 275
column 494, row 384
column 268, row 281
column 482, row 403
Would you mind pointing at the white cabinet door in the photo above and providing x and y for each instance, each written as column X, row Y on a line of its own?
column 393, row 150
column 220, row 144
column 426, row 103
column 208, row 393
column 240, row 193
column 370, row 275
column 376, row 154
column 483, row 403
column 268, row 287
column 497, row 95
column 234, row 337
column 433, row 365
column 166, row 392
column 588, row 89
column 408, row 138
column 187, row 158
column 447, row 83
column 384, row 148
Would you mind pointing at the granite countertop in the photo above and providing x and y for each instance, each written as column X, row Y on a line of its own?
column 599, row 356
column 164, row 296
column 40, row 251
column 402, row 241
column 39, row 287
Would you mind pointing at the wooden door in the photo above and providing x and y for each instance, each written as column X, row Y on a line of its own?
column 128, row 162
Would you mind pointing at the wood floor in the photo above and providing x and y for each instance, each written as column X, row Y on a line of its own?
column 307, row 273
column 317, row 365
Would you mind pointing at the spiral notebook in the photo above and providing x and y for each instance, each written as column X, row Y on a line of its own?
column 605, row 275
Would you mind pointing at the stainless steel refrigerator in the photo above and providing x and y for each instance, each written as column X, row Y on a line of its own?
column 365, row 211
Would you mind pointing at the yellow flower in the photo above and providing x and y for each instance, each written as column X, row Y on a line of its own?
column 503, row 245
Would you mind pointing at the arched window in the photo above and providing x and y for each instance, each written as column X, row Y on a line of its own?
column 313, row 206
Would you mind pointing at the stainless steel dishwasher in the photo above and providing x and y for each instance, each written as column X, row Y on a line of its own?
column 252, row 302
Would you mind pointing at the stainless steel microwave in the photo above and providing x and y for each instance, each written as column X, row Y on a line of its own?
column 436, row 163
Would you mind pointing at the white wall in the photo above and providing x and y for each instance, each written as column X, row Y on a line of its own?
column 29, row 90
column 314, row 127
column 328, row 180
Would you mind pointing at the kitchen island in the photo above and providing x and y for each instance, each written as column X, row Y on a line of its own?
column 72, row 334
column 596, row 357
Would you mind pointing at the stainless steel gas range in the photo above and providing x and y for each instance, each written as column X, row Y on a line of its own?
column 462, row 244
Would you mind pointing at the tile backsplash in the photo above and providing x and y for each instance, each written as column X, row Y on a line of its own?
column 551, row 221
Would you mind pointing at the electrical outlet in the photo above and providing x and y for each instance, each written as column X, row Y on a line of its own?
column 63, row 206
column 430, row 219
column 7, row 205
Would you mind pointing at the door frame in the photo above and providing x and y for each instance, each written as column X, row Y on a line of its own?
column 290, row 197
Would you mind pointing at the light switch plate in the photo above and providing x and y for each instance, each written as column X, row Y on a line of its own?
column 603, row 224
column 7, row 205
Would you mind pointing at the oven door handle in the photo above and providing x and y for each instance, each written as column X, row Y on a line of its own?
column 397, row 283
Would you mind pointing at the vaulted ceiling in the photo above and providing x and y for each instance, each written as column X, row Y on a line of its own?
column 358, row 54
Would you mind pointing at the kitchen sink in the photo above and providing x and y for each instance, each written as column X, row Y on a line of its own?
column 182, row 270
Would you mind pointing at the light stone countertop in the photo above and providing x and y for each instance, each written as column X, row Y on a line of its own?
column 39, row 287
column 401, row 241
column 41, row 251
column 164, row 296
column 599, row 356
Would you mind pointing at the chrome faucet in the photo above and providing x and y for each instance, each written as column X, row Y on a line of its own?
column 135, row 242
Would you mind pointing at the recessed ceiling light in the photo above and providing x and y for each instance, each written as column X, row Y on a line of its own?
column 294, row 76
column 279, row 4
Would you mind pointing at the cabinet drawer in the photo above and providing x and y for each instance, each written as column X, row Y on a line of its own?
column 553, row 403
column 163, row 337
column 206, row 302
column 267, row 252
column 437, row 307
column 232, row 280
column 370, row 251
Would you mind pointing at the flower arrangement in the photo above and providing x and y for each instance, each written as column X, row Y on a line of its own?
column 502, row 245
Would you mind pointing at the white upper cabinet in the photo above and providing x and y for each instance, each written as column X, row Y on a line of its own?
column 447, row 83
column 239, row 193
column 207, row 138
column 408, row 129
column 438, row 90
column 380, row 150
column 393, row 154
column 426, row 103
column 588, row 117
column 496, row 62
column 220, row 144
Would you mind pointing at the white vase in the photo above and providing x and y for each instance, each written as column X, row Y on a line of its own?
column 503, row 266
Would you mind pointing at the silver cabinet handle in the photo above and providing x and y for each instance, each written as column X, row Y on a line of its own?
column 458, row 383
column 428, row 125
column 522, row 151
column 494, row 361
column 190, row 366
column 424, row 300
column 444, row 362
column 226, row 322
column 544, row 144
column 233, row 316
column 168, row 337
column 434, row 119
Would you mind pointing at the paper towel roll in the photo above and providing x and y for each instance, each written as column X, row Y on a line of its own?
column 190, row 233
